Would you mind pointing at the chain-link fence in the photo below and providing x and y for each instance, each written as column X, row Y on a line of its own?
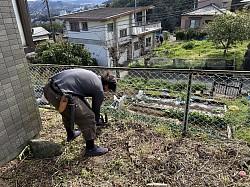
column 203, row 63
column 197, row 101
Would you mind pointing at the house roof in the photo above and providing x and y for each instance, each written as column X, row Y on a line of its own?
column 102, row 14
column 208, row 10
column 39, row 31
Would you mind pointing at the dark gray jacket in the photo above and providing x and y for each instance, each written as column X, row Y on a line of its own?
column 83, row 83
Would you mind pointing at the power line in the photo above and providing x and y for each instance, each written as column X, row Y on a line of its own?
column 39, row 12
column 36, row 7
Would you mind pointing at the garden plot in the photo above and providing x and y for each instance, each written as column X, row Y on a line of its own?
column 166, row 100
column 206, row 115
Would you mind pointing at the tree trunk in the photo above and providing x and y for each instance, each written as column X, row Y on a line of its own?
column 224, row 53
column 246, row 60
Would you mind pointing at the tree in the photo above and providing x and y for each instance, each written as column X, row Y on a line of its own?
column 246, row 60
column 228, row 29
column 58, row 28
column 64, row 54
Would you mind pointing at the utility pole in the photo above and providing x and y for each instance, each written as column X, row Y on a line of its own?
column 135, row 13
column 195, row 4
column 50, row 20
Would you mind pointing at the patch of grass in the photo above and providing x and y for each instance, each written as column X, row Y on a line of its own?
column 163, row 129
column 243, row 134
column 201, row 49
column 86, row 174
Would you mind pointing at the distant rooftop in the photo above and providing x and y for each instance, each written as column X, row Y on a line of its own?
column 39, row 31
column 208, row 10
column 102, row 14
column 245, row 1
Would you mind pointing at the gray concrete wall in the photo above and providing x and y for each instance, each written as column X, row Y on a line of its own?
column 19, row 116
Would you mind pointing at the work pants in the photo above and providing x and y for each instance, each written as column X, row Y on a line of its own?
column 84, row 117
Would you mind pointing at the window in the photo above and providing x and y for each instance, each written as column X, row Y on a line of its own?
column 74, row 26
column 110, row 27
column 194, row 23
column 148, row 42
column 136, row 45
column 123, row 33
column 138, row 17
column 84, row 26
column 207, row 21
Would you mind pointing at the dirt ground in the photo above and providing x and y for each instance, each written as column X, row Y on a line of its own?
column 139, row 154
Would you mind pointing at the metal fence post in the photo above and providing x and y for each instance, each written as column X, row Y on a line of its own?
column 187, row 103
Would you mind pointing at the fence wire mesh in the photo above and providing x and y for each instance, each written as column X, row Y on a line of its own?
column 206, row 102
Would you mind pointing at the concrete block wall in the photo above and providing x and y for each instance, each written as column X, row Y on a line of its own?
column 19, row 116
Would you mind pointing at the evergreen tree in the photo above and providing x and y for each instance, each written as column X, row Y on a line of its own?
column 167, row 11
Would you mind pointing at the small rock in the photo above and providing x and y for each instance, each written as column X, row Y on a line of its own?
column 45, row 149
column 242, row 173
column 157, row 185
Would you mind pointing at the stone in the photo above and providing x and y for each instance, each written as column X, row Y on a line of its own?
column 45, row 149
column 158, row 185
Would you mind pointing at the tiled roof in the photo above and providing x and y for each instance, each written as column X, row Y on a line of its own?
column 208, row 10
column 39, row 31
column 102, row 14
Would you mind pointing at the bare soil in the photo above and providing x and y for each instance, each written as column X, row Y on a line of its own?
column 139, row 154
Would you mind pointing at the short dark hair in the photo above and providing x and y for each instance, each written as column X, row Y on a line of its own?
column 108, row 79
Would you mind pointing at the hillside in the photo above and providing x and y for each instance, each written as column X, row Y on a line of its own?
column 167, row 11
column 200, row 50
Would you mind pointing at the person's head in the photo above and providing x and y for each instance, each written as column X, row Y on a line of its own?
column 108, row 82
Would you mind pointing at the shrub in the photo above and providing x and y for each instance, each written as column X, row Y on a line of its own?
column 188, row 45
column 166, row 35
column 197, row 118
column 180, row 35
column 63, row 54
column 190, row 34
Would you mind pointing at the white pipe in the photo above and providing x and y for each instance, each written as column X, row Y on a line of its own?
column 19, row 23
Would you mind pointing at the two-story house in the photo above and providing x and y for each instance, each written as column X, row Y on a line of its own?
column 112, row 35
column 201, row 16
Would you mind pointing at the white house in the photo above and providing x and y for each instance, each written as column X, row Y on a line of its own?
column 112, row 35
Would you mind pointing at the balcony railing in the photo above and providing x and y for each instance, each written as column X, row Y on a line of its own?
column 146, row 28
